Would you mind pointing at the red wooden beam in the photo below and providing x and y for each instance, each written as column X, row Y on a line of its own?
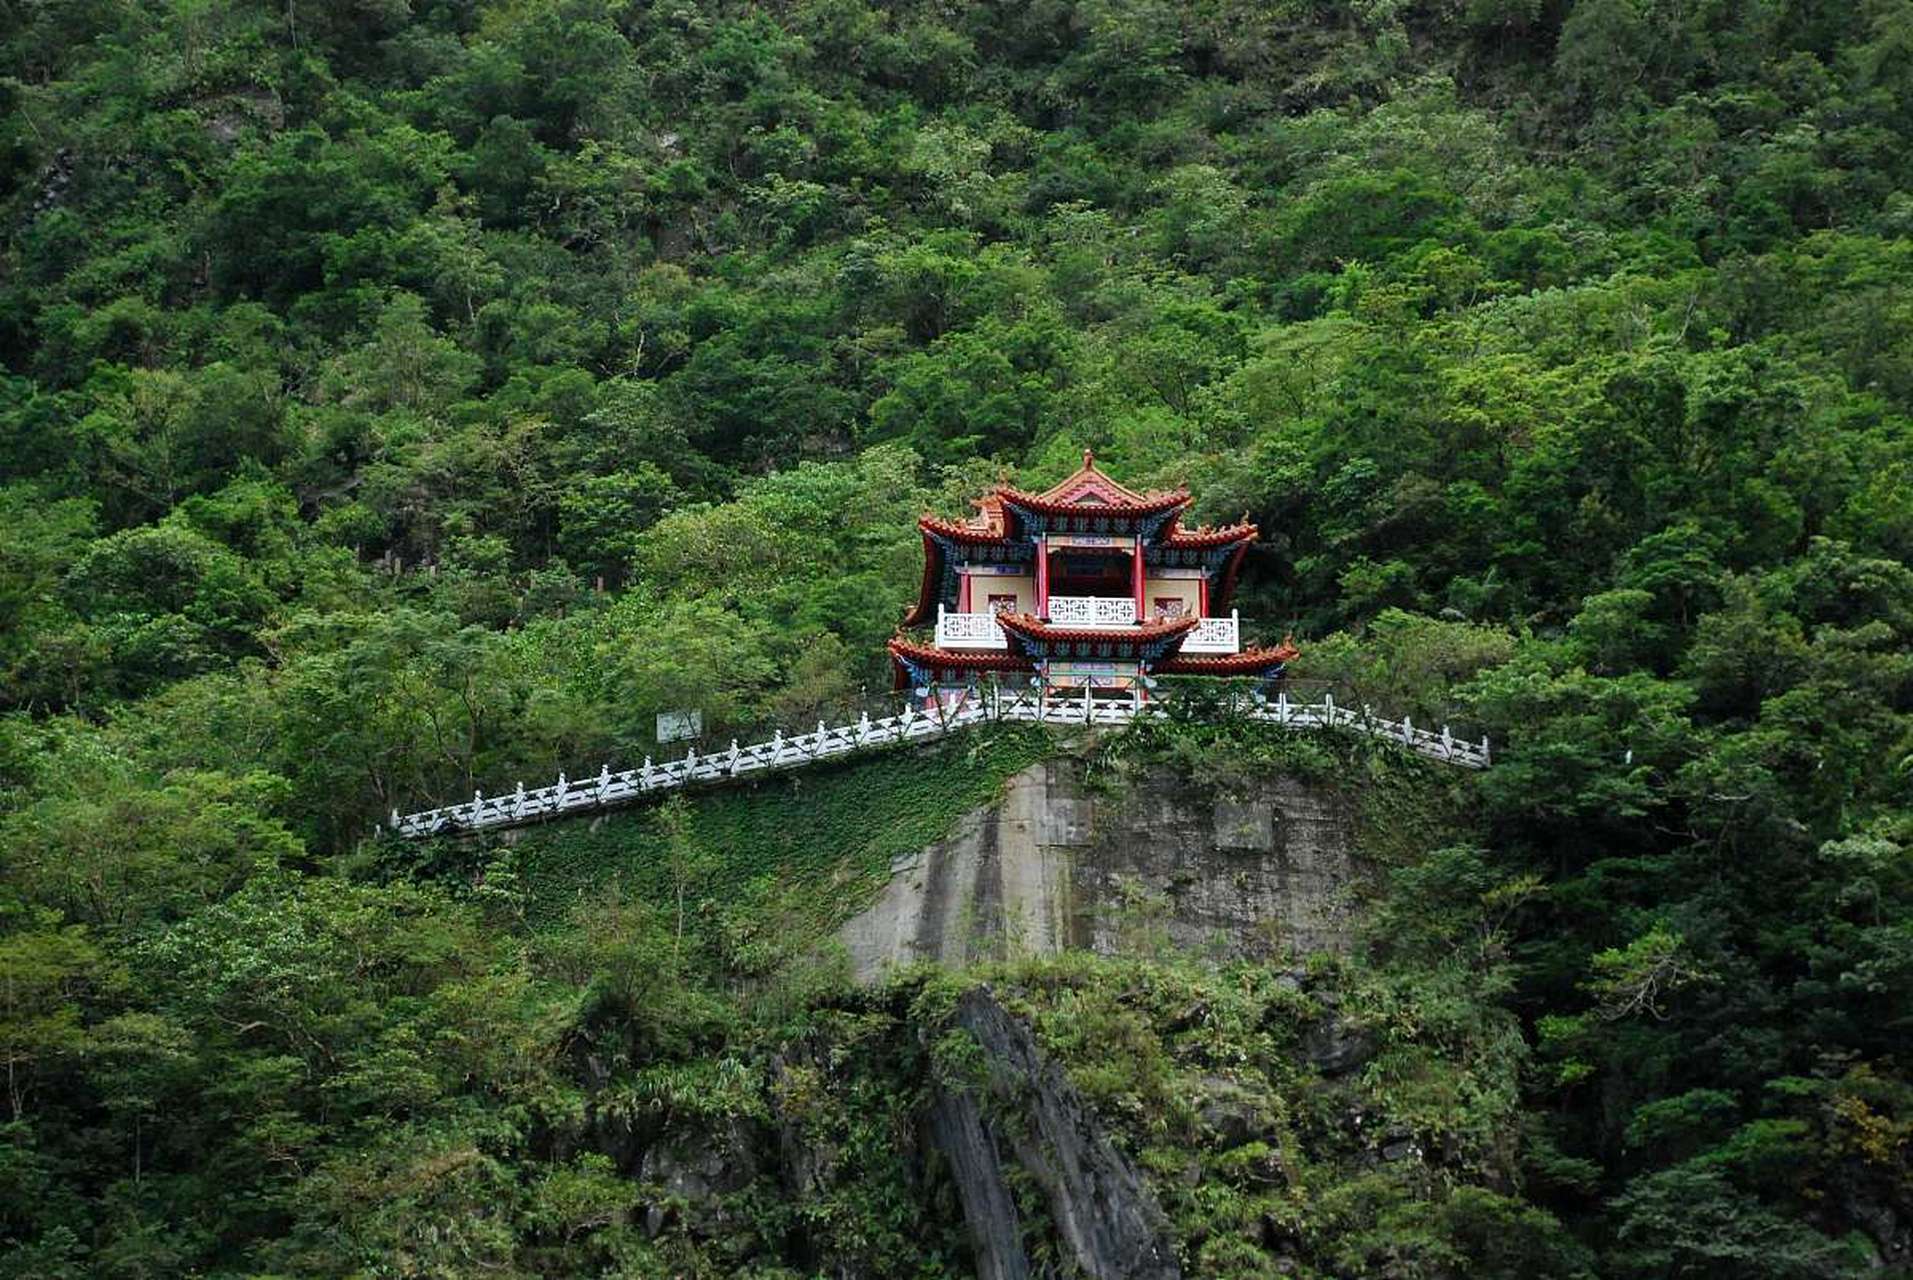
column 1135, row 577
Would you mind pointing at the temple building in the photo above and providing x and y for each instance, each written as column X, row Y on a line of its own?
column 1087, row 585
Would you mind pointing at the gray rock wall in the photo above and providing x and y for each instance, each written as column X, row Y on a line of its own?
column 1056, row 864
column 1098, row 1203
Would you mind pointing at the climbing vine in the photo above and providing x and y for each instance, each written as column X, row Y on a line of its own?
column 823, row 840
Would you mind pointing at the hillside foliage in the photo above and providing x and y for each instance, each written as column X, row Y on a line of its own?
column 398, row 398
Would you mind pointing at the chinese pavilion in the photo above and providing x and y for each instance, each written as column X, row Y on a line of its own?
column 1087, row 585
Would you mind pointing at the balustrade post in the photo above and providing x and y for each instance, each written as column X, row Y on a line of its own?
column 644, row 779
column 1282, row 707
column 733, row 760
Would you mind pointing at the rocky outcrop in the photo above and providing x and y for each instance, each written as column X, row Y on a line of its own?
column 1056, row 864
column 1021, row 1103
column 1336, row 1046
column 691, row 1174
column 996, row 1230
column 979, row 1108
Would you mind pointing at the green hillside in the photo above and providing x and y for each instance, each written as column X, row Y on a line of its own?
column 399, row 399
column 816, row 843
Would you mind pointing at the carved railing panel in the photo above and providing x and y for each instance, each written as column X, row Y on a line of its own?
column 969, row 631
column 1092, row 611
column 1215, row 635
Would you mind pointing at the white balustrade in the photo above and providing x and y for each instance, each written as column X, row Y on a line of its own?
column 969, row 631
column 1215, row 635
column 611, row 790
column 1092, row 611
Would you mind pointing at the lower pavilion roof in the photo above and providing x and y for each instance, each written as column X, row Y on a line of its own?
column 1246, row 663
column 1207, row 535
column 1029, row 627
column 908, row 653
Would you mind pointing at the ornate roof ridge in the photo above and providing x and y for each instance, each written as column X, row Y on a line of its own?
column 1207, row 535
column 961, row 530
column 1090, row 489
column 1248, row 660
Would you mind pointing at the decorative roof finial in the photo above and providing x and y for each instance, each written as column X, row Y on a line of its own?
column 1089, row 459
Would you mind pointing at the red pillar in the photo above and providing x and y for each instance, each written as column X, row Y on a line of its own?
column 1135, row 577
column 963, row 596
column 1042, row 575
column 1202, row 608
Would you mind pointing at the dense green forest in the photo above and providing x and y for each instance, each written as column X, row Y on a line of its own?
column 403, row 396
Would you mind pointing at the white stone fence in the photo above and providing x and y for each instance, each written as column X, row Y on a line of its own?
column 1093, row 611
column 609, row 789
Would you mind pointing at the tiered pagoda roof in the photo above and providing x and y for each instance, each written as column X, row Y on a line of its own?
column 1087, row 508
column 1008, row 520
column 906, row 654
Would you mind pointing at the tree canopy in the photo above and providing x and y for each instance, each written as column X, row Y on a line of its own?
column 401, row 399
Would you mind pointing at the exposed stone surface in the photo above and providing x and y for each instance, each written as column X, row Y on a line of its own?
column 695, row 1171
column 996, row 1231
column 1100, row 1207
column 1336, row 1047
column 1056, row 865
column 1232, row 1113
column 1881, row 1207
column 808, row 1166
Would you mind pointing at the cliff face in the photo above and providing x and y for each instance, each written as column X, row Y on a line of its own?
column 1057, row 864
column 1116, row 1116
column 1022, row 1111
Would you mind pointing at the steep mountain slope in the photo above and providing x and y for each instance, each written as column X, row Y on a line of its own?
column 400, row 399
column 1187, row 1076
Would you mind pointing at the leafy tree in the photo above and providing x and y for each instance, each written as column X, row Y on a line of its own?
column 1560, row 352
